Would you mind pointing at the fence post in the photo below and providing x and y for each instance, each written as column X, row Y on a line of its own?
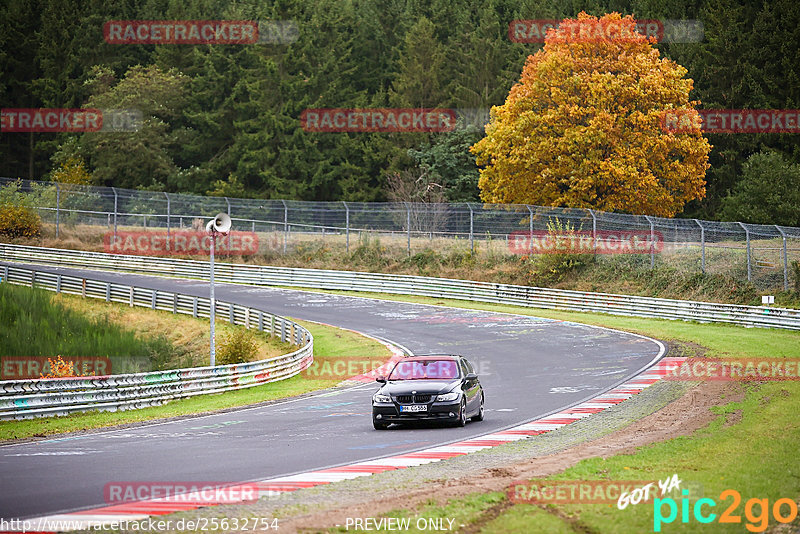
column 471, row 228
column 785, row 261
column 285, row 224
column 58, row 207
column 114, row 189
column 747, row 236
column 408, row 229
column 702, row 245
column 228, row 236
column 168, row 217
column 594, row 234
column 652, row 246
column 346, row 226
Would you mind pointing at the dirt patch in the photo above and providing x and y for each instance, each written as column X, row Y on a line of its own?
column 682, row 417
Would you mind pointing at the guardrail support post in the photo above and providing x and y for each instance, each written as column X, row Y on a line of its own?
column 174, row 303
column 194, row 305
column 153, row 297
column 114, row 189
column 747, row 236
column 130, row 299
column 231, row 316
column 261, row 321
column 346, row 226
column 785, row 261
column 58, row 207
column 652, row 245
column 58, row 283
column 108, row 291
column 471, row 228
column 33, row 281
column 283, row 330
column 702, row 245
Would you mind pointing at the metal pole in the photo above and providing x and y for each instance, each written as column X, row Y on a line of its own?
column 114, row 189
column 747, row 236
column 213, row 309
column 530, row 228
column 702, row 245
column 168, row 215
column 58, row 207
column 594, row 234
column 471, row 228
column 652, row 246
column 408, row 229
column 285, row 224
column 347, row 225
column 228, row 249
column 785, row 261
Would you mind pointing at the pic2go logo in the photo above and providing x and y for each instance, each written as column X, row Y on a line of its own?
column 757, row 521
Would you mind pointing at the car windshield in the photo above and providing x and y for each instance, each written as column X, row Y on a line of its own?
column 425, row 370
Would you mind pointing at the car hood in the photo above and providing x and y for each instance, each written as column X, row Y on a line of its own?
column 433, row 387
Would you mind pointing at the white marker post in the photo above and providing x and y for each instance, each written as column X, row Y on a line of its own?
column 219, row 225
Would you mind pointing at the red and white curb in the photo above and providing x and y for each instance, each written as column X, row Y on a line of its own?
column 137, row 511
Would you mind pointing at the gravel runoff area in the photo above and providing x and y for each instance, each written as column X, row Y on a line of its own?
column 311, row 509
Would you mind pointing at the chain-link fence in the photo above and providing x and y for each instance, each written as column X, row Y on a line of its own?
column 762, row 254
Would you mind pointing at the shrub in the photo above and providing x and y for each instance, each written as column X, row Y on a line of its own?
column 238, row 346
column 19, row 221
column 553, row 267
column 60, row 369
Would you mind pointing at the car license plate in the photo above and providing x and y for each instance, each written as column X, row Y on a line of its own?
column 414, row 408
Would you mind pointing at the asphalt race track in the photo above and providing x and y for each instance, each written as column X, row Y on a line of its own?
column 529, row 367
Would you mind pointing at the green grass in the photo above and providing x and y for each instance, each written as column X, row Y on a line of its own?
column 330, row 344
column 33, row 324
column 757, row 456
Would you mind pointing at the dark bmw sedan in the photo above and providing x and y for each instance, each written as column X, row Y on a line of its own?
column 428, row 388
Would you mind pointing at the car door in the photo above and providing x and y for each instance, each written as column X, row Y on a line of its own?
column 470, row 387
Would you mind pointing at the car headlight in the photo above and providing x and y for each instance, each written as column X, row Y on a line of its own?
column 381, row 399
column 448, row 396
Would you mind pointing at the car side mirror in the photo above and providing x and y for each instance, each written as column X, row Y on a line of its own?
column 471, row 376
column 381, row 379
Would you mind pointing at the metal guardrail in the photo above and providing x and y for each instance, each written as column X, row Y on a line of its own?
column 22, row 399
column 535, row 297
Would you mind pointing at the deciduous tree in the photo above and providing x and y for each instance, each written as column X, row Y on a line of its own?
column 583, row 126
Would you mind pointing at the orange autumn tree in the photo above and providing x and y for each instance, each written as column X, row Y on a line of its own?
column 582, row 128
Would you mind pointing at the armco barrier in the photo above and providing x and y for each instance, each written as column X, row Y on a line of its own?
column 535, row 297
column 21, row 399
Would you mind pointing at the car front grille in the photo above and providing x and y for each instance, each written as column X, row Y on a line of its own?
column 413, row 399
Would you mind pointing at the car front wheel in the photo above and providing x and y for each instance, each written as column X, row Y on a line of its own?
column 462, row 414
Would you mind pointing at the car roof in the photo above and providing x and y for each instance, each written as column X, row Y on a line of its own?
column 433, row 357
